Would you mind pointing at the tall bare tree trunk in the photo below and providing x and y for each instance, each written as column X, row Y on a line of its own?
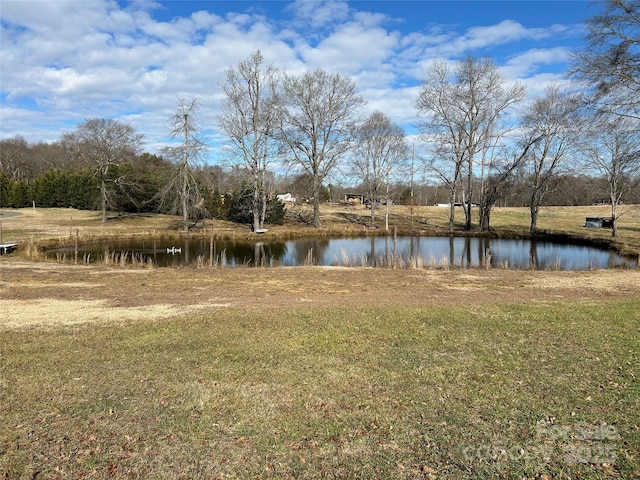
column 104, row 200
column 614, row 216
column 184, row 197
column 469, row 196
column 185, row 179
column 452, row 209
column 372, row 203
column 317, row 184
column 534, row 209
column 386, row 213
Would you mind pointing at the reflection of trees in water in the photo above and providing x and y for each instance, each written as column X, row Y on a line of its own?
column 452, row 251
column 373, row 251
column 305, row 251
column 271, row 253
column 384, row 257
column 484, row 251
column 237, row 253
column 534, row 260
column 253, row 254
column 377, row 257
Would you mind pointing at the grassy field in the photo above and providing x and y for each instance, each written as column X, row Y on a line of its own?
column 501, row 391
column 313, row 372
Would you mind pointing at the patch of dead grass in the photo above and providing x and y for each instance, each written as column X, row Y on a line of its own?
column 48, row 312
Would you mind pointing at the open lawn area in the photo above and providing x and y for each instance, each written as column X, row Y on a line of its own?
column 314, row 372
column 318, row 373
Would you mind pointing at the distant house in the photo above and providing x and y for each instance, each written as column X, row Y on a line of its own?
column 286, row 198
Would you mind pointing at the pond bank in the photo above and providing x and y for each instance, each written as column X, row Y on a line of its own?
column 388, row 251
column 34, row 229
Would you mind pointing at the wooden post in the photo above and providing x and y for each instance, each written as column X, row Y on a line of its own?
column 75, row 255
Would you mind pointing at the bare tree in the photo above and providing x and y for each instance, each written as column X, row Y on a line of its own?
column 15, row 158
column 250, row 118
column 102, row 144
column 53, row 155
column 380, row 151
column 610, row 62
column 439, row 125
column 318, row 124
column 182, row 186
column 461, row 112
column 551, row 126
column 613, row 148
column 500, row 167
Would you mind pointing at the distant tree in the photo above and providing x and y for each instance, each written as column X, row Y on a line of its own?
column 301, row 186
column 551, row 126
column 103, row 144
column 209, row 186
column 182, row 190
column 16, row 159
column 53, row 155
column 13, row 193
column 610, row 61
column 612, row 147
column 145, row 177
column 318, row 125
column 241, row 208
column 497, row 182
column 5, row 190
column 381, row 150
column 460, row 114
column 65, row 188
column 251, row 114
column 48, row 190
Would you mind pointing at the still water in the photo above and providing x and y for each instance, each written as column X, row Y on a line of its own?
column 438, row 252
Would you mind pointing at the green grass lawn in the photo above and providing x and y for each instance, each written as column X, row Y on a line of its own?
column 511, row 391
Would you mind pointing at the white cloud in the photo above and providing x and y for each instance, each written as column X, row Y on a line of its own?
column 523, row 64
column 351, row 48
column 319, row 13
column 64, row 61
column 536, row 84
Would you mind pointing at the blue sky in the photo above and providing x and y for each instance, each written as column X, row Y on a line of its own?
column 63, row 61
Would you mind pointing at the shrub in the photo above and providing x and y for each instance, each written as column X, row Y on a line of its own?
column 240, row 208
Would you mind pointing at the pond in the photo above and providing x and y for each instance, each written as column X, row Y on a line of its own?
column 380, row 251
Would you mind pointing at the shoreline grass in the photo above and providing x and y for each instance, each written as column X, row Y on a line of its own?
column 491, row 391
column 42, row 228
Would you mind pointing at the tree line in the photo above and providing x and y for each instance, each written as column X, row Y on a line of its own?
column 478, row 139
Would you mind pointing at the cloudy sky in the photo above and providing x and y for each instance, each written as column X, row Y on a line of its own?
column 63, row 61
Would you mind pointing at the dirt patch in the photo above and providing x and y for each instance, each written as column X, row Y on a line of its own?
column 53, row 294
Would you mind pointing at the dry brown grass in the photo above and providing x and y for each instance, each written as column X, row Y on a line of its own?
column 54, row 313
column 31, row 293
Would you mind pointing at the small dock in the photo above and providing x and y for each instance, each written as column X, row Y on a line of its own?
column 7, row 247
